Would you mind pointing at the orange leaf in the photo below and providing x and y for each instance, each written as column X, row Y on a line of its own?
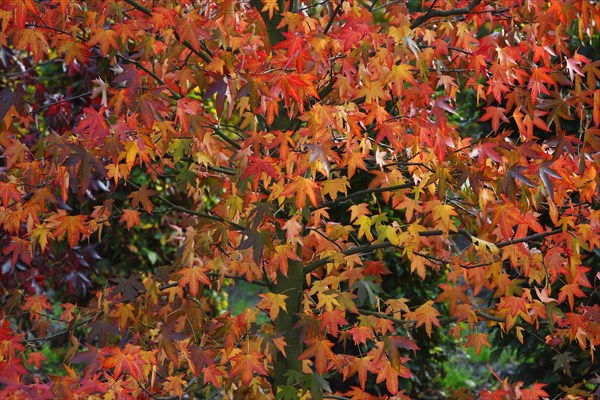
column 321, row 351
column 34, row 41
column 143, row 196
column 246, row 365
column 390, row 374
column 175, row 386
column 36, row 358
column 477, row 340
column 301, row 187
column 192, row 277
column 495, row 114
column 35, row 305
column 105, row 39
column 570, row 291
column 362, row 365
column 131, row 217
column 427, row 315
column 74, row 226
column 535, row 393
column 9, row 194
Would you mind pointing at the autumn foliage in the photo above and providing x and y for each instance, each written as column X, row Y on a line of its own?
column 337, row 154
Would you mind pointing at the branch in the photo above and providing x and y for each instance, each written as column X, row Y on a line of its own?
column 372, row 247
column 353, row 250
column 187, row 44
column 216, row 275
column 445, row 320
column 332, row 17
column 176, row 95
column 275, row 35
column 365, row 192
column 443, row 13
column 226, row 138
column 537, row 236
column 199, row 214
column 41, row 108
column 58, row 334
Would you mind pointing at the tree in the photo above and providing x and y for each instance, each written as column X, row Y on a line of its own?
column 317, row 150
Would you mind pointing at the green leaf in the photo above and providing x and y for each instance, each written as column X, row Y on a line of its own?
column 366, row 288
column 286, row 393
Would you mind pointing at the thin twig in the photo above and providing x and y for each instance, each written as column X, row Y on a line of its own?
column 199, row 214
column 41, row 108
column 361, row 193
column 332, row 17
column 206, row 58
column 443, row 13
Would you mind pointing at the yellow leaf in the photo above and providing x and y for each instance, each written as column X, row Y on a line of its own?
column 271, row 6
column 131, row 149
column 332, row 187
column 364, row 222
column 40, row 236
column 484, row 246
column 328, row 300
column 274, row 302
column 442, row 213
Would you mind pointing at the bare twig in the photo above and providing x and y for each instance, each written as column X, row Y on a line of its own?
column 361, row 193
column 205, row 57
column 332, row 17
column 443, row 13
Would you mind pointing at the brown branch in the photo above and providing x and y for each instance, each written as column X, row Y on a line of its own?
column 58, row 334
column 443, row 13
column 365, row 192
column 325, row 237
column 275, row 35
column 353, row 250
column 41, row 108
column 332, row 17
column 534, row 237
column 199, row 214
column 378, row 246
column 227, row 139
column 187, row 44
column 445, row 320
column 372, row 247
column 176, row 95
